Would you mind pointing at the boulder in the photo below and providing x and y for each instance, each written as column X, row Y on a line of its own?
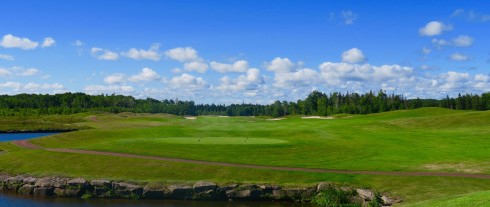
column 388, row 201
column 179, row 192
column 44, row 182
column 30, row 180
column 26, row 189
column 293, row 194
column 203, row 186
column 366, row 194
column 102, row 188
column 127, row 190
column 43, row 191
column 14, row 183
column 76, row 187
column 153, row 193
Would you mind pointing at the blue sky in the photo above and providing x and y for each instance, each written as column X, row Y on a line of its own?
column 244, row 51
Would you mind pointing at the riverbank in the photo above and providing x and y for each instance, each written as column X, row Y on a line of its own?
column 199, row 191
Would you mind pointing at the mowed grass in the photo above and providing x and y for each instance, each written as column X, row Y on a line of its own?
column 428, row 139
column 479, row 199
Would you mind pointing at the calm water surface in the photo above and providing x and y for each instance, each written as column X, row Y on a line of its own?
column 14, row 200
column 5, row 137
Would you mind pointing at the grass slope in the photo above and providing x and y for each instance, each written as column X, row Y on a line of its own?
column 479, row 199
column 428, row 139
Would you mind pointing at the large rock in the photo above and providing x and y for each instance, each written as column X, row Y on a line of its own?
column 14, row 183
column 30, row 180
column 203, row 186
column 237, row 194
column 153, row 192
column 293, row 194
column 26, row 189
column 76, row 187
column 102, row 188
column 179, row 192
column 43, row 191
column 127, row 190
column 388, row 201
column 366, row 194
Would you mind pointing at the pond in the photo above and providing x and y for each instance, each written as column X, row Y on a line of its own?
column 5, row 137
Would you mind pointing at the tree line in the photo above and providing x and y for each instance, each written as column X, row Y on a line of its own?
column 317, row 103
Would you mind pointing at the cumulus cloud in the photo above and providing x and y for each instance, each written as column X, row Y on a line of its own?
column 103, row 54
column 11, row 85
column 301, row 77
column 349, row 17
column 463, row 41
column 6, row 57
column 353, row 55
column 238, row 66
column 117, row 78
column 48, row 42
column 10, row 41
column 37, row 87
column 109, row 89
column 197, row 66
column 250, row 81
column 439, row 43
column 280, row 65
column 146, row 74
column 31, row 87
column 18, row 71
column 139, row 54
column 187, row 82
column 182, row 54
column 434, row 28
column 458, row 57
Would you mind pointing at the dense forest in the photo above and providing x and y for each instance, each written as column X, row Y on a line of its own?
column 317, row 103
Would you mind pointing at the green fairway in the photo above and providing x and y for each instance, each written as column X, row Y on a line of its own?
column 427, row 139
column 204, row 141
column 479, row 199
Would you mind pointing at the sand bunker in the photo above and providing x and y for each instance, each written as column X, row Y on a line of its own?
column 275, row 119
column 317, row 117
column 223, row 116
column 190, row 117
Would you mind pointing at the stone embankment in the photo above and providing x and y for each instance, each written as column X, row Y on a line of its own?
column 202, row 190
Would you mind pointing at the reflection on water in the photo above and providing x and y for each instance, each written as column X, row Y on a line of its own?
column 15, row 200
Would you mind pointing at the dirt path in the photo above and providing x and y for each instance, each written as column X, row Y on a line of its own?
column 28, row 145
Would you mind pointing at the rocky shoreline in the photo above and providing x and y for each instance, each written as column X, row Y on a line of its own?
column 202, row 190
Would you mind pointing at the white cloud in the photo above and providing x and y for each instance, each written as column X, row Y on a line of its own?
column 117, row 78
column 109, row 89
column 48, row 42
column 250, row 81
column 353, row 55
column 187, row 82
column 18, row 71
column 238, row 66
column 197, row 66
column 146, row 74
column 150, row 54
column 349, row 17
column 103, row 54
column 434, row 28
column 439, row 43
column 301, row 77
column 182, row 54
column 6, row 57
column 482, row 78
column 78, row 43
column 463, row 41
column 11, row 85
column 281, row 65
column 458, row 57
column 29, row 72
column 10, row 41
column 36, row 86
column 426, row 51
column 4, row 72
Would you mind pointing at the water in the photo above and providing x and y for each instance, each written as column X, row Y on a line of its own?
column 5, row 137
column 14, row 200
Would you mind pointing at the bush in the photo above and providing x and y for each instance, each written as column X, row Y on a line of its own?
column 334, row 197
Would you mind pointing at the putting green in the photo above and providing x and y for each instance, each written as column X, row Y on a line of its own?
column 209, row 140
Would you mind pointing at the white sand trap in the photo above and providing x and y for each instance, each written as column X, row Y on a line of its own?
column 190, row 117
column 275, row 119
column 223, row 116
column 317, row 117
